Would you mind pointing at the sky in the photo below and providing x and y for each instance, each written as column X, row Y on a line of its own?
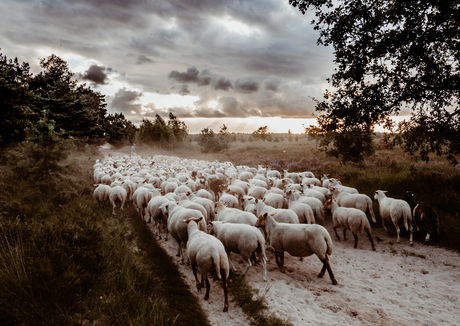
column 242, row 63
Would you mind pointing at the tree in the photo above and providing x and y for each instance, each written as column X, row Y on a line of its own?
column 75, row 108
column 261, row 133
column 17, row 102
column 178, row 128
column 209, row 142
column 391, row 55
column 119, row 131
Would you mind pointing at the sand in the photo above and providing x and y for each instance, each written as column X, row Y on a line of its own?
column 395, row 285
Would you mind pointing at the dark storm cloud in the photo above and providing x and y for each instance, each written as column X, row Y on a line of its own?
column 222, row 83
column 95, row 74
column 247, row 85
column 124, row 101
column 181, row 89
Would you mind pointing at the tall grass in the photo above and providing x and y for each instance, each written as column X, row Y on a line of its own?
column 65, row 261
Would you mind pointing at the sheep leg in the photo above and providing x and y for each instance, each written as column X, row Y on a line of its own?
column 344, row 234
column 248, row 265
column 225, row 286
column 370, row 239
column 356, row 240
column 327, row 266
column 198, row 284
column 264, row 267
column 282, row 267
column 231, row 264
column 208, row 287
column 336, row 234
column 398, row 231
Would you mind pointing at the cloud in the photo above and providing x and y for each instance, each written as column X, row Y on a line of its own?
column 247, row 85
column 272, row 83
column 95, row 74
column 141, row 59
column 125, row 101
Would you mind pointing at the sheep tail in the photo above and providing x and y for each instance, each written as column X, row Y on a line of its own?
column 216, row 259
column 407, row 218
column 328, row 244
column 261, row 247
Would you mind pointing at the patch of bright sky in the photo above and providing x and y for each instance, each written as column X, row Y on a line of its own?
column 238, row 27
column 162, row 101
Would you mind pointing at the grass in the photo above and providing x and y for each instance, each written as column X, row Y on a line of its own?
column 65, row 261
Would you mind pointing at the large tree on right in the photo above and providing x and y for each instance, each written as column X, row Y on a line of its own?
column 391, row 55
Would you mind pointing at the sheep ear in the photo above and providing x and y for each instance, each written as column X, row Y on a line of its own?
column 272, row 214
column 385, row 191
column 223, row 222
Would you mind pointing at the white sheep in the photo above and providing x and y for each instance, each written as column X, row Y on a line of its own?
column 242, row 239
column 234, row 215
column 308, row 192
column 337, row 184
column 349, row 218
column 274, row 200
column 205, row 194
column 359, row 201
column 257, row 192
column 395, row 210
column 177, row 228
column 315, row 204
column 303, row 211
column 117, row 194
column 279, row 214
column 204, row 252
column 101, row 194
column 249, row 204
column 154, row 212
column 299, row 240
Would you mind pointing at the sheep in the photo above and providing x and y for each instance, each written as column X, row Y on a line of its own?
column 234, row 215
column 214, row 186
column 359, row 201
column 325, row 181
column 177, row 227
column 274, row 200
column 423, row 216
column 154, row 212
column 207, row 204
column 280, row 215
column 349, row 218
column 257, row 192
column 101, row 194
column 315, row 204
column 249, row 204
column 117, row 193
column 314, row 193
column 303, row 211
column 394, row 210
column 184, row 201
column 203, row 193
column 141, row 198
column 336, row 184
column 241, row 239
column 299, row 240
column 311, row 180
column 227, row 199
column 205, row 251
column 295, row 177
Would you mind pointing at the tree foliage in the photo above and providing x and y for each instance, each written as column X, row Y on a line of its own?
column 209, row 142
column 158, row 132
column 261, row 133
column 17, row 102
column 392, row 56
column 119, row 130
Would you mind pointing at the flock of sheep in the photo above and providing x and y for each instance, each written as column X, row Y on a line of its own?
column 213, row 209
